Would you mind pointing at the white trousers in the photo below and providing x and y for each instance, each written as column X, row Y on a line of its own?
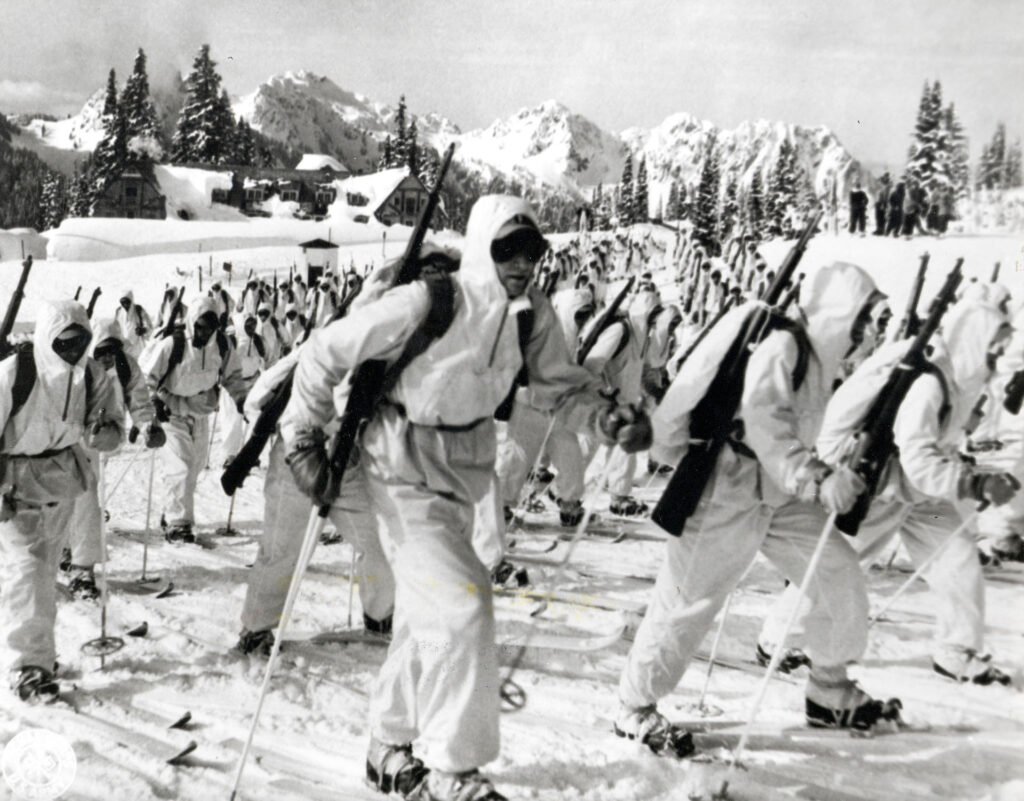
column 439, row 683
column 181, row 460
column 517, row 454
column 82, row 533
column 955, row 577
column 30, row 546
column 621, row 465
column 285, row 517
column 705, row 564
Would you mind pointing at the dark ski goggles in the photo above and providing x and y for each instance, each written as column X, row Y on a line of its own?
column 106, row 350
column 524, row 241
column 263, row 315
column 291, row 315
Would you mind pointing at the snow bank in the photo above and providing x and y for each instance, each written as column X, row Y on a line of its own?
column 15, row 240
column 190, row 190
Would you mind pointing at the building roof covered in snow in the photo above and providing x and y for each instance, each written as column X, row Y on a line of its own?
column 376, row 187
column 321, row 161
column 317, row 244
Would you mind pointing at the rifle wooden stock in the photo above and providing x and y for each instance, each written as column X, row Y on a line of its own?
column 875, row 441
column 92, row 302
column 711, row 420
column 910, row 322
column 12, row 308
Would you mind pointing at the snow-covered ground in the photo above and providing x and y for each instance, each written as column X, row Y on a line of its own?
column 966, row 746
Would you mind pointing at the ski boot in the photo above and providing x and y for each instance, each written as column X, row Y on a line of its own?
column 654, row 730
column 570, row 513
column 840, row 703
column 541, row 477
column 469, row 785
column 83, row 584
column 382, row 627
column 1009, row 548
column 65, row 560
column 32, row 683
column 259, row 642
column 656, row 467
column 180, row 534
column 972, row 667
column 506, row 574
column 508, row 513
column 793, row 658
column 627, row 506
column 393, row 768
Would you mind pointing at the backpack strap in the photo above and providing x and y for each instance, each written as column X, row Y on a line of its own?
column 124, row 371
column 931, row 369
column 177, row 354
column 803, row 345
column 524, row 323
column 440, row 315
column 24, row 377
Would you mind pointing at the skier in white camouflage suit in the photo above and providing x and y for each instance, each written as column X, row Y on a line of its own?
column 109, row 350
column 768, row 493
column 926, row 484
column 428, row 454
column 185, row 394
column 134, row 322
column 71, row 402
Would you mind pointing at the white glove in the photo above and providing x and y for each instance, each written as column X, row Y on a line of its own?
column 840, row 490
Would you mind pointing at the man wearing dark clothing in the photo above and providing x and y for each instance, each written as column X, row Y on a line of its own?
column 915, row 205
column 882, row 203
column 858, row 209
column 896, row 210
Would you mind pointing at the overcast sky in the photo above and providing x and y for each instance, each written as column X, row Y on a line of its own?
column 857, row 67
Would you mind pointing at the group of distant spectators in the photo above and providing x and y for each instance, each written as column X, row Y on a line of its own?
column 901, row 210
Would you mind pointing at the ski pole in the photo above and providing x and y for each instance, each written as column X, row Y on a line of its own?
column 103, row 646
column 314, row 529
column 351, row 582
column 149, row 509
column 117, row 483
column 718, row 636
column 777, row 655
column 923, row 567
column 507, row 684
column 227, row 531
column 524, row 497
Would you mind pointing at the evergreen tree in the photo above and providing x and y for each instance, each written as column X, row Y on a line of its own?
column 80, row 194
column 959, row 167
column 728, row 211
column 142, row 130
column 706, row 203
column 244, row 145
column 673, row 201
column 641, row 201
column 386, row 154
column 111, row 153
column 412, row 148
column 624, row 204
column 53, row 204
column 400, row 143
column 783, row 189
column 1012, row 177
column 205, row 123
column 755, row 204
column 992, row 168
column 925, row 147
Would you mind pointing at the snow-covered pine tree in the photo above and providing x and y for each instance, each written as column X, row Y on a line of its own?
column 244, row 144
column 141, row 127
column 201, row 131
column 705, row 207
column 923, row 151
column 959, row 159
column 624, row 202
column 1012, row 169
column 641, row 201
column 386, row 154
column 225, row 129
column 672, row 203
column 80, row 194
column 728, row 210
column 111, row 153
column 992, row 167
column 783, row 188
column 399, row 142
column 412, row 148
column 429, row 166
column 53, row 203
column 755, row 204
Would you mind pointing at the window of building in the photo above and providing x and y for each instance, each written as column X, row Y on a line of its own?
column 290, row 194
column 131, row 191
column 410, row 204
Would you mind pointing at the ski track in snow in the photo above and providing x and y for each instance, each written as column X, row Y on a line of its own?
column 966, row 745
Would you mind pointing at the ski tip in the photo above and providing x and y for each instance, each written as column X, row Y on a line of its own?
column 181, row 722
column 166, row 590
column 179, row 757
column 139, row 631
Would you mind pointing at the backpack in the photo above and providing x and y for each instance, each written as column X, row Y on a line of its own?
column 25, row 378
column 178, row 352
column 854, row 398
